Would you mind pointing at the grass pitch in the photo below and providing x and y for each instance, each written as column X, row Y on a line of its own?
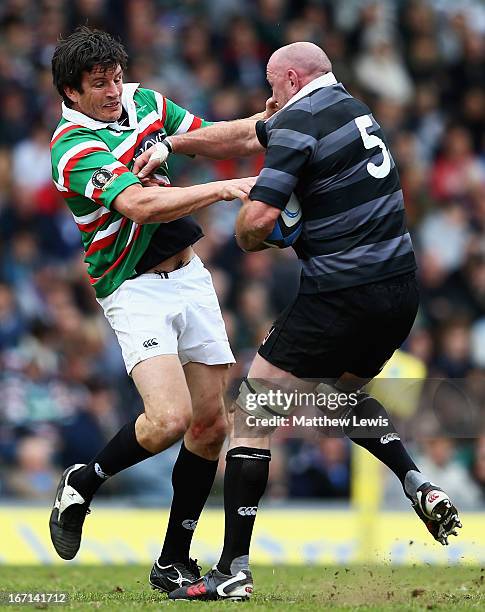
column 279, row 588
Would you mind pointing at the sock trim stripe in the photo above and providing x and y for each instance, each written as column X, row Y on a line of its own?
column 163, row 566
column 260, row 457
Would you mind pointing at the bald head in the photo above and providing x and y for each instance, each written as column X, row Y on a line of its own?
column 305, row 58
column 291, row 67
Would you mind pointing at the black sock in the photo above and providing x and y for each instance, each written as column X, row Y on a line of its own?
column 245, row 480
column 192, row 480
column 380, row 438
column 121, row 452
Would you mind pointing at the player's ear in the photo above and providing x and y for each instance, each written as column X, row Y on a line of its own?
column 72, row 94
column 294, row 80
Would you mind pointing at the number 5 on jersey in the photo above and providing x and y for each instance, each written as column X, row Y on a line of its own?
column 370, row 141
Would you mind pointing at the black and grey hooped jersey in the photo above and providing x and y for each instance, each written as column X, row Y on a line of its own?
column 327, row 148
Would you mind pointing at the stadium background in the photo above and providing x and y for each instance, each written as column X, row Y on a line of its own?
column 63, row 388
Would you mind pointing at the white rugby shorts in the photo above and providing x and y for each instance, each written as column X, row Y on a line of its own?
column 176, row 315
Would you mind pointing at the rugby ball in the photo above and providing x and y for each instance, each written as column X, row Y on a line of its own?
column 288, row 226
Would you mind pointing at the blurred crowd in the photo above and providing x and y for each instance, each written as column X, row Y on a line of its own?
column 420, row 65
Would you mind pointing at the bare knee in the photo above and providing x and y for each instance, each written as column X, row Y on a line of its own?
column 206, row 435
column 209, row 430
column 156, row 433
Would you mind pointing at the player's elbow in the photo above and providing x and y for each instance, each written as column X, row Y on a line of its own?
column 139, row 214
column 251, row 233
column 262, row 221
column 267, row 224
column 130, row 204
column 152, row 214
column 255, row 227
column 156, row 212
column 257, row 218
column 139, row 205
column 136, row 214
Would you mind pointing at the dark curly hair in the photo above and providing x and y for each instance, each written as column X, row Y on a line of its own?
column 80, row 52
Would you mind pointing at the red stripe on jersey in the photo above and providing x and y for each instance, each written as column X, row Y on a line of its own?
column 68, row 194
column 128, row 156
column 195, row 125
column 74, row 160
column 96, row 195
column 101, row 244
column 89, row 227
column 106, row 241
column 120, row 258
column 98, row 192
column 120, row 170
column 164, row 111
column 64, row 131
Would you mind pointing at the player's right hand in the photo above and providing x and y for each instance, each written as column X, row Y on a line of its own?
column 150, row 160
column 237, row 188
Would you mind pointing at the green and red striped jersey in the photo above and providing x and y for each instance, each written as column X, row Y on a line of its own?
column 91, row 162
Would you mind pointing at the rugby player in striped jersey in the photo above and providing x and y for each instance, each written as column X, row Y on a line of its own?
column 155, row 292
column 357, row 299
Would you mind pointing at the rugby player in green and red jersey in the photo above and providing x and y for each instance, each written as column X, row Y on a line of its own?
column 155, row 292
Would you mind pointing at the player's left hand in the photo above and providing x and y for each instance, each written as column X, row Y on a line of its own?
column 152, row 181
column 150, row 160
column 238, row 188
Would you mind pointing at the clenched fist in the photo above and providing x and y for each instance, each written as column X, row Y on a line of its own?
column 151, row 159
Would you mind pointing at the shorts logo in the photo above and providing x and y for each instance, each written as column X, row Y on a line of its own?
column 247, row 510
column 389, row 438
column 189, row 524
column 102, row 178
column 267, row 335
column 150, row 343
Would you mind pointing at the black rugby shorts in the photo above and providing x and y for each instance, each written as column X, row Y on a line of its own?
column 352, row 330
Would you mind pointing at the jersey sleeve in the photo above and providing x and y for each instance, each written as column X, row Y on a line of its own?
column 178, row 120
column 86, row 167
column 261, row 133
column 290, row 144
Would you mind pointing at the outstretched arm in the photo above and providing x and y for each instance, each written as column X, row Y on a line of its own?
column 221, row 140
column 161, row 205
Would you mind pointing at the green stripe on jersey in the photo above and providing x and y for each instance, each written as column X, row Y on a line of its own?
column 91, row 166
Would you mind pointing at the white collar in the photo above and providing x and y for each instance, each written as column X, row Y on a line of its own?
column 127, row 102
column 322, row 81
